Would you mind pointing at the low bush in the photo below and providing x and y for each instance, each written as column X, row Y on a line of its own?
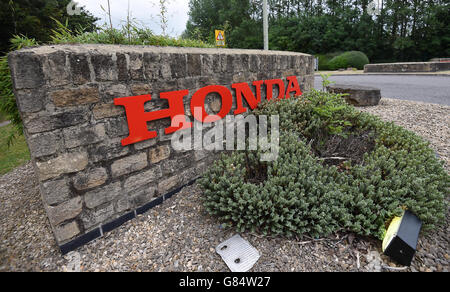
column 356, row 59
column 306, row 192
column 353, row 59
column 338, row 62
column 324, row 60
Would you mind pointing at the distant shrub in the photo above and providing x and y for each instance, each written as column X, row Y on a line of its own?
column 324, row 60
column 356, row 59
column 338, row 62
column 353, row 59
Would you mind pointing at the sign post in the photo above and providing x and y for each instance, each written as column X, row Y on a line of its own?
column 220, row 38
column 266, row 25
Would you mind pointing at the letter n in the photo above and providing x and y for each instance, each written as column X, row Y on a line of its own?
column 243, row 90
column 281, row 87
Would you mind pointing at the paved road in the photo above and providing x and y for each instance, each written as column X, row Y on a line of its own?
column 430, row 89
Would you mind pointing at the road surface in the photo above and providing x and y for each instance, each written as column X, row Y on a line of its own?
column 430, row 89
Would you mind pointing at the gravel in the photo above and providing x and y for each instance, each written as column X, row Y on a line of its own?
column 180, row 236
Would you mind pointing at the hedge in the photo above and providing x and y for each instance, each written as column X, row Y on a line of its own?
column 303, row 194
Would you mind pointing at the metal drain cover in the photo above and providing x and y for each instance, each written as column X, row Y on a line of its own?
column 238, row 254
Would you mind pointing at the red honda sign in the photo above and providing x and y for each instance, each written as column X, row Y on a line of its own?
column 138, row 117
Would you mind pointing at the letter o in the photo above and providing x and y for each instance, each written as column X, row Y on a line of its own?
column 198, row 101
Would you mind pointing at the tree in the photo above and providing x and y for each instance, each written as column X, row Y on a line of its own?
column 405, row 30
column 33, row 18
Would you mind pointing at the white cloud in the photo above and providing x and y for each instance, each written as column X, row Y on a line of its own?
column 145, row 12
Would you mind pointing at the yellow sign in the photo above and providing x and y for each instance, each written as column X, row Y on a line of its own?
column 220, row 38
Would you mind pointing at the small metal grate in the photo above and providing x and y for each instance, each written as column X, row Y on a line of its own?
column 238, row 254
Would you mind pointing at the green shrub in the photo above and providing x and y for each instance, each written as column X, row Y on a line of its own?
column 8, row 106
column 339, row 62
column 300, row 194
column 356, row 59
column 353, row 59
column 325, row 59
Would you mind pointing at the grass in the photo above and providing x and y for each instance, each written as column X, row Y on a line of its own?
column 14, row 156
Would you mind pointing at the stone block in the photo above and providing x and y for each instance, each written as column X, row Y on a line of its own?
column 105, row 67
column 117, row 128
column 80, row 69
column 26, row 70
column 145, row 144
column 108, row 150
column 136, row 67
column 194, row 65
column 56, row 69
column 43, row 122
column 109, row 92
column 30, row 101
column 82, row 136
column 358, row 95
column 123, row 205
column 90, row 179
column 129, row 164
column 44, row 144
column 178, row 65
column 67, row 231
column 103, row 195
column 137, row 181
column 123, row 67
column 65, row 211
column 159, row 154
column 141, row 89
column 143, row 197
column 55, row 192
column 66, row 163
column 94, row 218
column 75, row 97
column 168, row 184
column 103, row 111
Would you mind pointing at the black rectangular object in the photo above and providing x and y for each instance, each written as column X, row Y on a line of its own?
column 403, row 246
column 80, row 241
column 150, row 205
column 118, row 222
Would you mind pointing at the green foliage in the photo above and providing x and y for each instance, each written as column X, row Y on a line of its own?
column 303, row 196
column 127, row 35
column 339, row 62
column 404, row 31
column 325, row 59
column 326, row 80
column 353, row 59
column 12, row 157
column 34, row 19
column 8, row 107
column 356, row 59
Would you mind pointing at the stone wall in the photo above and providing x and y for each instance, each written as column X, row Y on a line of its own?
column 415, row 67
column 89, row 182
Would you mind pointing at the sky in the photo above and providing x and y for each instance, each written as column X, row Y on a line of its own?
column 144, row 12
